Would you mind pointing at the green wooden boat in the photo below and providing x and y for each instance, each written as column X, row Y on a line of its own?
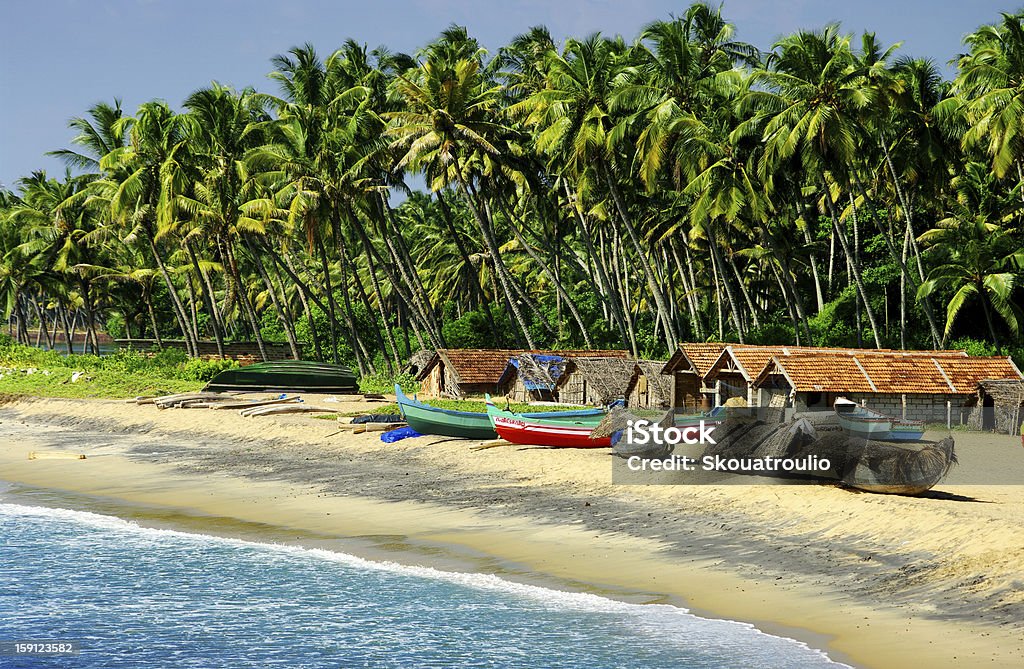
column 427, row 419
column 291, row 376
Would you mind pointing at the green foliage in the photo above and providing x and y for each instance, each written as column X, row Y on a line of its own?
column 471, row 330
column 122, row 374
column 385, row 383
column 609, row 170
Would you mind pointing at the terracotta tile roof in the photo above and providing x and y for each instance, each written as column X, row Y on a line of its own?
column 890, row 372
column 485, row 366
column 822, row 372
column 751, row 358
column 694, row 356
column 967, row 373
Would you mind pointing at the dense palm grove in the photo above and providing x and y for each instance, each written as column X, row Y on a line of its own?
column 683, row 186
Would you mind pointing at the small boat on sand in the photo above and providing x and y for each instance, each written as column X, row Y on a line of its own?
column 863, row 422
column 533, row 431
column 291, row 376
column 427, row 419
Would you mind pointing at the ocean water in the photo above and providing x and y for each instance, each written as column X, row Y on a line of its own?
column 136, row 597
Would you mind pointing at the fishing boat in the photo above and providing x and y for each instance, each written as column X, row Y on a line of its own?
column 898, row 469
column 292, row 376
column 533, row 431
column 863, row 422
column 427, row 419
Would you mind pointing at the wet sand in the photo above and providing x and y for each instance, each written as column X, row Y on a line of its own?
column 880, row 581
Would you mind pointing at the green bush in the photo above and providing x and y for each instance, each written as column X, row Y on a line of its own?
column 203, row 370
column 385, row 383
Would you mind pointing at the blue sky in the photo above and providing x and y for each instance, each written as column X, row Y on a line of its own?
column 58, row 57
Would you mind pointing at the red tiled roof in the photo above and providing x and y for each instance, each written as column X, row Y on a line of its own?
column 891, row 372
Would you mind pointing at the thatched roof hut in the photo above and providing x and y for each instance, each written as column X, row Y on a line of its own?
column 648, row 388
column 595, row 380
column 530, row 377
column 1002, row 406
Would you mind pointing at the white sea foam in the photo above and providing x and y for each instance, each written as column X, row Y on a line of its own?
column 650, row 618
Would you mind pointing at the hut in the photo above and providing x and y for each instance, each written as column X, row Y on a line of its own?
column 532, row 377
column 555, row 376
column 933, row 386
column 734, row 373
column 648, row 388
column 999, row 406
column 687, row 368
column 458, row 372
column 594, row 380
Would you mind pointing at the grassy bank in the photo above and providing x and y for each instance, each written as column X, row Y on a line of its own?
column 27, row 371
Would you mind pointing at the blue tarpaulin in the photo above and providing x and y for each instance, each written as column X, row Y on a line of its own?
column 392, row 436
column 553, row 365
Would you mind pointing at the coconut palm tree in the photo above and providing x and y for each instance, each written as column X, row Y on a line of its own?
column 449, row 131
column 978, row 259
column 140, row 199
column 810, row 100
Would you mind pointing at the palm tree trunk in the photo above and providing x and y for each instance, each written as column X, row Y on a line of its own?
column 716, row 256
column 607, row 292
column 814, row 270
column 68, row 335
column 656, row 292
column 389, row 332
column 688, row 291
column 243, row 294
column 282, row 317
column 209, row 299
column 559, row 288
column 854, row 267
column 408, row 266
column 331, row 311
column 988, row 318
column 745, row 292
column 499, row 266
column 179, row 310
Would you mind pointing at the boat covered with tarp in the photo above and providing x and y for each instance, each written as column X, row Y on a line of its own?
column 290, row 376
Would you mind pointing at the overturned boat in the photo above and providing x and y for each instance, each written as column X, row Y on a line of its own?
column 287, row 376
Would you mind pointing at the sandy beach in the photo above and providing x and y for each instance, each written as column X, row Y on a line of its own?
column 876, row 581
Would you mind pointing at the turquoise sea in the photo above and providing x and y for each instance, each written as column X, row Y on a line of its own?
column 137, row 597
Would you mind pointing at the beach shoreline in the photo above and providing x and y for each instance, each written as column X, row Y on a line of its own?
column 553, row 518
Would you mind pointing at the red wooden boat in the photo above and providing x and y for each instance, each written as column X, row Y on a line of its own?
column 539, row 432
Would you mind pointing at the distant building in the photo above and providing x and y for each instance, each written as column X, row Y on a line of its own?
column 457, row 373
column 597, row 381
column 648, row 388
column 926, row 385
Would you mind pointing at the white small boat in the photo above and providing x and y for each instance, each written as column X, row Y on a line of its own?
column 863, row 422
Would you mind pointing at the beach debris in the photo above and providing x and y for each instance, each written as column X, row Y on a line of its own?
column 278, row 409
column 376, row 427
column 494, row 443
column 55, row 455
column 391, row 436
column 75, row 376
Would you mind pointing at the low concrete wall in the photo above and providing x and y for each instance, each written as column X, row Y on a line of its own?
column 927, row 407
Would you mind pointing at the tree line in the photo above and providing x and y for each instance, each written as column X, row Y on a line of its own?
column 601, row 193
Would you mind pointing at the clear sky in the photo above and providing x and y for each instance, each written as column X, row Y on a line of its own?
column 58, row 57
